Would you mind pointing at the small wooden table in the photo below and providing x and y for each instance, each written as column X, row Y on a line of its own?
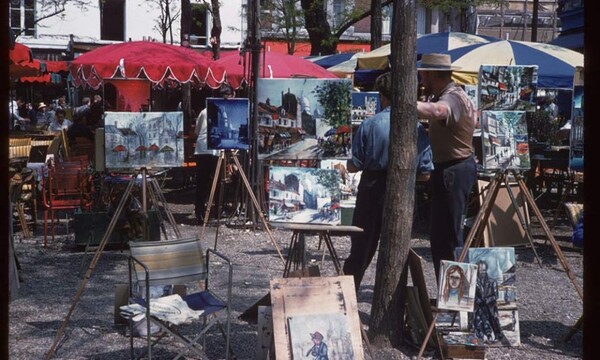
column 297, row 250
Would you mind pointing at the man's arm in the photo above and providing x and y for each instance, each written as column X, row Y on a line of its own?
column 432, row 110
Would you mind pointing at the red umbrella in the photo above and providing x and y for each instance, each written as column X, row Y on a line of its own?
column 274, row 65
column 154, row 61
column 119, row 148
column 153, row 147
column 343, row 129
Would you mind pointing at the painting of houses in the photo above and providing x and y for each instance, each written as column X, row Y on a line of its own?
column 304, row 119
column 304, row 195
column 504, row 88
column 505, row 140
column 364, row 105
column 148, row 139
column 227, row 123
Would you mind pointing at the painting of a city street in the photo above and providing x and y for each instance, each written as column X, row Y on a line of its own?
column 227, row 123
column 304, row 195
column 364, row 105
column 505, row 141
column 304, row 119
column 135, row 140
column 503, row 88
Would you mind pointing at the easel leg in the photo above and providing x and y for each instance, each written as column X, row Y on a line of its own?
column 212, row 194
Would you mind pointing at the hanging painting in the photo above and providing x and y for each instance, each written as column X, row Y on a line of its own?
column 364, row 105
column 504, row 88
column 304, row 195
column 576, row 131
column 149, row 139
column 227, row 123
column 304, row 118
column 505, row 141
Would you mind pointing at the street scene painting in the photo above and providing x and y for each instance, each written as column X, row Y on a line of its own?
column 471, row 91
column 503, row 88
column 304, row 119
column 304, row 195
column 505, row 140
column 495, row 319
column 227, row 123
column 364, row 105
column 576, row 133
column 457, row 286
column 320, row 336
column 148, row 139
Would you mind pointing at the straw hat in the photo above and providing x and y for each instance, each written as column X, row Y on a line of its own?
column 436, row 62
column 41, row 105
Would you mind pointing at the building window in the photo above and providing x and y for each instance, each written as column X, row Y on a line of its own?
column 112, row 20
column 22, row 17
column 199, row 30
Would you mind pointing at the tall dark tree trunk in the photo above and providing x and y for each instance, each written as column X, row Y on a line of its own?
column 389, row 296
column 376, row 24
column 319, row 31
column 186, row 91
column 215, row 31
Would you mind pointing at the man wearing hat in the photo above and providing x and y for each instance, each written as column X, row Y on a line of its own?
column 452, row 120
column 319, row 349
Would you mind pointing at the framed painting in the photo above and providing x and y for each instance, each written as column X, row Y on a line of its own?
column 304, row 195
column 364, row 105
column 505, row 141
column 507, row 88
column 576, row 131
column 495, row 318
column 320, row 336
column 227, row 123
column 304, row 118
column 457, row 287
column 148, row 139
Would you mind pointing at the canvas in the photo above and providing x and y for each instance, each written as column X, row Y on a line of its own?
column 495, row 318
column 364, row 105
column 504, row 88
column 304, row 118
column 576, row 133
column 227, row 123
column 320, row 336
column 505, row 141
column 304, row 195
column 472, row 93
column 149, row 139
column 457, row 288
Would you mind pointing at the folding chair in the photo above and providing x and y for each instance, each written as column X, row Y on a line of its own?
column 178, row 262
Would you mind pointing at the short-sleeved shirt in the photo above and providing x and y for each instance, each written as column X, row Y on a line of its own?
column 371, row 142
column 452, row 139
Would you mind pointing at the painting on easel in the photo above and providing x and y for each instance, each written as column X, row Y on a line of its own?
column 320, row 336
column 457, row 290
column 507, row 88
column 495, row 319
column 505, row 141
column 149, row 139
column 227, row 123
column 304, row 195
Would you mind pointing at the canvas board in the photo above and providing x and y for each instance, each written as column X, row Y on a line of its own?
column 227, row 123
column 507, row 88
column 317, row 335
column 304, row 195
column 457, row 289
column 320, row 302
column 500, row 315
column 576, row 133
column 304, row 118
column 148, row 139
column 364, row 105
column 472, row 92
column 505, row 141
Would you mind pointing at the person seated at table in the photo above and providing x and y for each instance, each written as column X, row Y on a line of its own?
column 80, row 128
column 60, row 121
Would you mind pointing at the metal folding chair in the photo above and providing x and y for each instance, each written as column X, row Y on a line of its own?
column 180, row 262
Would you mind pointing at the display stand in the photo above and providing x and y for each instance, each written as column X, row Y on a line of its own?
column 224, row 156
column 476, row 232
column 155, row 195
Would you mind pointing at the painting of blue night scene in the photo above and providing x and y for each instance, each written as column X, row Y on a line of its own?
column 227, row 123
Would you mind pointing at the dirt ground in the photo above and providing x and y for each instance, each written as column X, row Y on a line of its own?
column 548, row 303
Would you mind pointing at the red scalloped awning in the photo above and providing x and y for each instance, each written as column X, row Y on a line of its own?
column 160, row 63
column 277, row 66
column 22, row 63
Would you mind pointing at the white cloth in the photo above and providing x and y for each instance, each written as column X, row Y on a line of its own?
column 172, row 309
column 202, row 138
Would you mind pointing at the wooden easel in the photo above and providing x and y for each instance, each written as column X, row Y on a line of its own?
column 476, row 232
column 155, row 194
column 220, row 169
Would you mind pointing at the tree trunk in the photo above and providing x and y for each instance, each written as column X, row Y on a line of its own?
column 376, row 24
column 322, row 42
column 387, row 324
column 215, row 31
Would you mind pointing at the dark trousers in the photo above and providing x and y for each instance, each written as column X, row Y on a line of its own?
column 452, row 182
column 368, row 215
column 205, row 172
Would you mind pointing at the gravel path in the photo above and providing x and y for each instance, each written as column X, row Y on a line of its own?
column 548, row 304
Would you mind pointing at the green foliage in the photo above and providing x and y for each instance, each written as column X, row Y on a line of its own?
column 335, row 97
column 447, row 5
